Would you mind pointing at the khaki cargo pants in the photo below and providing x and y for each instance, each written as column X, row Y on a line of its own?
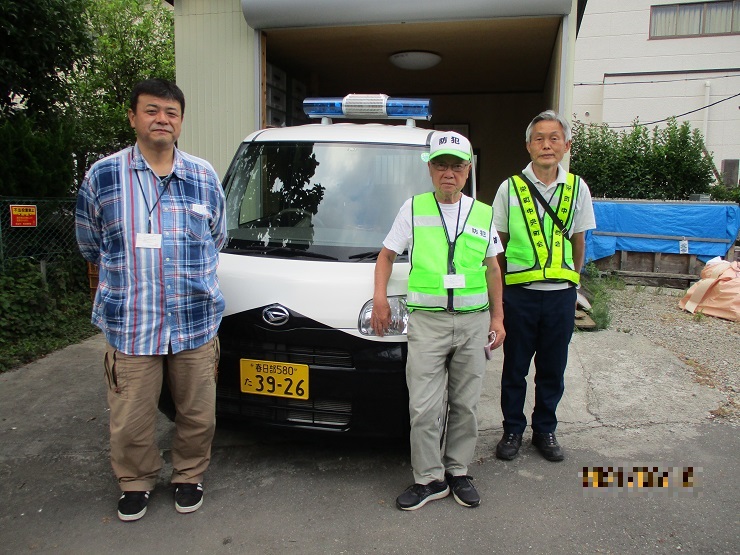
column 134, row 385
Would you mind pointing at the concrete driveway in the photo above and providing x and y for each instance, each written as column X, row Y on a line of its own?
column 627, row 403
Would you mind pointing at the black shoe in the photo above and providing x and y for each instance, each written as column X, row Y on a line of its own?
column 547, row 444
column 419, row 494
column 463, row 490
column 508, row 447
column 188, row 497
column 132, row 505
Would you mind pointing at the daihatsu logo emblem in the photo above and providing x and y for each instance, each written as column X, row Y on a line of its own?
column 275, row 315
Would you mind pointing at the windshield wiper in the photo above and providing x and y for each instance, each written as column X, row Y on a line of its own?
column 278, row 251
column 369, row 255
column 373, row 255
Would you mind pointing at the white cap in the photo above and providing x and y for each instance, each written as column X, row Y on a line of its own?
column 449, row 142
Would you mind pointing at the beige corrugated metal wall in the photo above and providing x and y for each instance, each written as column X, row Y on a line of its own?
column 567, row 63
column 219, row 85
column 559, row 85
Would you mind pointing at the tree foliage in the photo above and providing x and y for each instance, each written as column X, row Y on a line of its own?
column 724, row 193
column 43, row 41
column 133, row 40
column 667, row 163
column 37, row 158
column 67, row 68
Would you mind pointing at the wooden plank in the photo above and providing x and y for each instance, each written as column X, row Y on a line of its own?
column 692, row 264
column 675, row 263
column 663, row 279
column 669, row 263
column 671, row 283
column 655, row 274
column 584, row 321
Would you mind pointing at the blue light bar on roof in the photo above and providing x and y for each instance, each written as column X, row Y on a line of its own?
column 323, row 107
column 415, row 108
column 368, row 106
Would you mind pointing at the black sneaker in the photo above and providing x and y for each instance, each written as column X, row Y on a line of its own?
column 419, row 495
column 132, row 505
column 547, row 444
column 508, row 447
column 463, row 490
column 188, row 497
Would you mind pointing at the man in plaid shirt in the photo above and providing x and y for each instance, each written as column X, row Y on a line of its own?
column 152, row 218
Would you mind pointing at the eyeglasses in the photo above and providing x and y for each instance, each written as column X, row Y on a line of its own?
column 457, row 168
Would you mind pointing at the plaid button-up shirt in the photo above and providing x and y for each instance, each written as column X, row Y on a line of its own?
column 151, row 298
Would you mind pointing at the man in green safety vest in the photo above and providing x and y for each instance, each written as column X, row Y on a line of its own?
column 454, row 299
column 541, row 216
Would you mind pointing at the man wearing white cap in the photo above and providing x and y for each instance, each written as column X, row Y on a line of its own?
column 456, row 310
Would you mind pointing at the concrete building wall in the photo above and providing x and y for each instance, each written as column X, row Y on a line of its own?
column 621, row 74
column 217, row 76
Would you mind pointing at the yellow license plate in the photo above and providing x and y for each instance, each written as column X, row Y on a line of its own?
column 278, row 379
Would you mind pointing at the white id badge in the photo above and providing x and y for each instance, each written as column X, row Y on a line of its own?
column 454, row 281
column 201, row 209
column 148, row 240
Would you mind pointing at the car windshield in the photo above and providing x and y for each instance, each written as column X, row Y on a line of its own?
column 334, row 201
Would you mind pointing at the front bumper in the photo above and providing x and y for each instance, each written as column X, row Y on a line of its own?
column 357, row 386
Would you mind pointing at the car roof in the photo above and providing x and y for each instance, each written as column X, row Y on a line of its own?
column 374, row 133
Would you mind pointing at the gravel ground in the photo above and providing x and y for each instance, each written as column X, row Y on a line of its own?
column 709, row 346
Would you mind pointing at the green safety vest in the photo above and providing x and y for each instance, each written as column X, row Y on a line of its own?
column 433, row 257
column 537, row 250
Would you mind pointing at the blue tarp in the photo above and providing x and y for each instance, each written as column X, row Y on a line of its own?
column 709, row 228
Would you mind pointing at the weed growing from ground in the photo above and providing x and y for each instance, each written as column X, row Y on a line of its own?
column 598, row 289
column 698, row 316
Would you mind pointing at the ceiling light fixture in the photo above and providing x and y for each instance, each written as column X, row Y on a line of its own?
column 415, row 59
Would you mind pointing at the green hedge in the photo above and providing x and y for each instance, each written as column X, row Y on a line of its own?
column 668, row 163
column 727, row 194
column 37, row 159
column 44, row 308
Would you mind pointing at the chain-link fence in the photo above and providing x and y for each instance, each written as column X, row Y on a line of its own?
column 42, row 229
column 43, row 277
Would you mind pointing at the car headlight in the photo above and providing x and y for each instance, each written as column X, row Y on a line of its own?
column 399, row 317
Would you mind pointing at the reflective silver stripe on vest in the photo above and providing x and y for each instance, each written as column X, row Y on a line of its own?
column 427, row 221
column 422, row 299
column 470, row 300
column 459, row 301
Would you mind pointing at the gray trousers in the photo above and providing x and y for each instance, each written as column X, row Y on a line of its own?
column 444, row 349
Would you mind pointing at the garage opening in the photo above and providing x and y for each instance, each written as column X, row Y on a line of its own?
column 493, row 76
